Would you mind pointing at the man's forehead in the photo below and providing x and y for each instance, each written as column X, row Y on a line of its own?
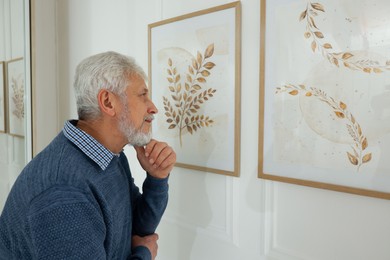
column 138, row 84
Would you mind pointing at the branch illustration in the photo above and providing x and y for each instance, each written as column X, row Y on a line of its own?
column 181, row 109
column 358, row 156
column 318, row 43
column 18, row 97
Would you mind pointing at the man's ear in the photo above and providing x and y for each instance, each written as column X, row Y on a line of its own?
column 107, row 102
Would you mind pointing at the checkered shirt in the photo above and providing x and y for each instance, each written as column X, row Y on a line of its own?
column 89, row 145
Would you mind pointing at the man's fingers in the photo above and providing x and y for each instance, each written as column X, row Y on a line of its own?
column 156, row 152
column 169, row 158
column 149, row 147
column 157, row 158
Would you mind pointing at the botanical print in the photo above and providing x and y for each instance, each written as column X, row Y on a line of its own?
column 16, row 96
column 193, row 79
column 187, row 100
column 327, row 92
column 357, row 156
column 17, row 85
column 318, row 43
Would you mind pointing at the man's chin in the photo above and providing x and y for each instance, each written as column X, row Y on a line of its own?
column 140, row 140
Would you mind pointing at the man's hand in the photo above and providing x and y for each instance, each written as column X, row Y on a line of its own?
column 157, row 158
column 148, row 241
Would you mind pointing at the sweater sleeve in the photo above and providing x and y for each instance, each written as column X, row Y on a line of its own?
column 64, row 224
column 140, row 253
column 150, row 206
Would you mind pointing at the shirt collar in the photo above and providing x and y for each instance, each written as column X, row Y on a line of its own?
column 88, row 145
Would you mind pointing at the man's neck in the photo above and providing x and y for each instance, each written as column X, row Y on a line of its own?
column 104, row 132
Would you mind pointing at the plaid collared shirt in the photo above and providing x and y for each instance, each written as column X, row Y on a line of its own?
column 89, row 145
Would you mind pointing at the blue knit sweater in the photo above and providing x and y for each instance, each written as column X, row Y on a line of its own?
column 64, row 206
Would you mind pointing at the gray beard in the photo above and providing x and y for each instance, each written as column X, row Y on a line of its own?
column 134, row 136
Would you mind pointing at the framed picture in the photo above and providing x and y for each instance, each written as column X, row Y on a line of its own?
column 15, row 93
column 194, row 78
column 2, row 99
column 325, row 91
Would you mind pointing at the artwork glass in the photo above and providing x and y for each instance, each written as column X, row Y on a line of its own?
column 195, row 83
column 15, row 93
column 325, row 91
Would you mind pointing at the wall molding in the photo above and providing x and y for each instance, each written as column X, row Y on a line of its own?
column 271, row 248
column 227, row 233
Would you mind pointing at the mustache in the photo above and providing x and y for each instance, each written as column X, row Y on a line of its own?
column 149, row 118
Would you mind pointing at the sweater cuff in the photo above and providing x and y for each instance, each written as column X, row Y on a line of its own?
column 140, row 253
column 155, row 184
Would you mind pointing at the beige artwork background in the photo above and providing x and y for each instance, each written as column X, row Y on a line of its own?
column 16, row 96
column 194, row 71
column 327, row 93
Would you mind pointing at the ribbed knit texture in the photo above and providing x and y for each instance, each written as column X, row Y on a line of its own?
column 64, row 206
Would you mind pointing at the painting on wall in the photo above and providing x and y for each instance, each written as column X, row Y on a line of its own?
column 15, row 93
column 194, row 78
column 2, row 99
column 324, row 94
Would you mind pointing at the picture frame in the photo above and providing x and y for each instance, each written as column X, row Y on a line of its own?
column 15, row 89
column 194, row 80
column 324, row 93
column 3, row 119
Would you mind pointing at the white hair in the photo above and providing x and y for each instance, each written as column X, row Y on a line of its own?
column 108, row 70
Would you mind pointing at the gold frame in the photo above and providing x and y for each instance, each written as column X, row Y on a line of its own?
column 8, row 96
column 32, row 76
column 2, row 71
column 274, row 177
column 237, row 70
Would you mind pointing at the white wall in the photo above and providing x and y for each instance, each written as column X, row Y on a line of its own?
column 213, row 216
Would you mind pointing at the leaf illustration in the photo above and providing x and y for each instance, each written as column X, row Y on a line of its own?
column 318, row 7
column 209, row 65
column 367, row 158
column 335, row 62
column 313, row 46
column 313, row 33
column 312, row 22
column 346, row 55
column 189, row 129
column 201, row 80
column 187, row 101
column 364, row 143
column 209, row 51
column 195, row 64
column 342, row 105
column 327, row 46
column 319, row 34
column 199, row 58
column 360, row 142
column 303, row 15
column 205, row 73
column 339, row 114
column 353, row 159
